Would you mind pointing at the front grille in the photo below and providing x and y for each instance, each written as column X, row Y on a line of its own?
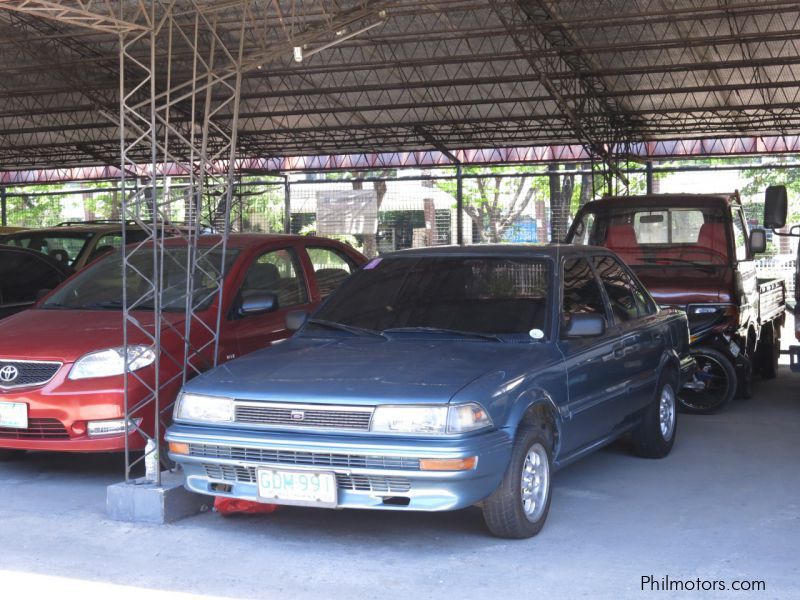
column 38, row 429
column 314, row 459
column 302, row 415
column 25, row 373
column 361, row 483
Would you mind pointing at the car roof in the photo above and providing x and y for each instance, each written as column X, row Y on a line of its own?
column 660, row 199
column 243, row 240
column 552, row 251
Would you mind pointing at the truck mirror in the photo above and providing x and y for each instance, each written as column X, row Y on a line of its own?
column 585, row 325
column 758, row 241
column 775, row 207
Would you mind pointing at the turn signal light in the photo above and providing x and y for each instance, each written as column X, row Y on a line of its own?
column 448, row 464
column 178, row 448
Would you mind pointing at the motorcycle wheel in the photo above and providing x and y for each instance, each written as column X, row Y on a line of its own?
column 716, row 372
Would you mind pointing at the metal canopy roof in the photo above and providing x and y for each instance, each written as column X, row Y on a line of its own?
column 441, row 75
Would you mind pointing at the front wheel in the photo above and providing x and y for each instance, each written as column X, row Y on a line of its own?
column 655, row 435
column 519, row 506
column 769, row 350
column 713, row 384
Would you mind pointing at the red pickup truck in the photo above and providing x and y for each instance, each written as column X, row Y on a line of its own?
column 775, row 212
column 695, row 252
column 61, row 362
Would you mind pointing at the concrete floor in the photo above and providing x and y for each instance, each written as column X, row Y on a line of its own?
column 725, row 505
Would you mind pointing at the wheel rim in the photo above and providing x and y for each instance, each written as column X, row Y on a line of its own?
column 535, row 482
column 666, row 412
column 717, row 385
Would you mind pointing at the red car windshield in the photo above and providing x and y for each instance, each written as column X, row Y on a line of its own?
column 99, row 287
column 643, row 235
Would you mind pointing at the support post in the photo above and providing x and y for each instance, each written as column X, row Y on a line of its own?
column 3, row 206
column 287, row 205
column 459, row 205
column 649, row 175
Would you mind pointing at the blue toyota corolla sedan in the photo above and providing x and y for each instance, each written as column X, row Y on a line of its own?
column 435, row 379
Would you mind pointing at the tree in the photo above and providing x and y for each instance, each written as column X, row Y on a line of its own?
column 497, row 200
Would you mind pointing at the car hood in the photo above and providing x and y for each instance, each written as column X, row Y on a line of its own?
column 363, row 370
column 687, row 285
column 66, row 335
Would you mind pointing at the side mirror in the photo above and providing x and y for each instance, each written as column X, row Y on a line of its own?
column 259, row 303
column 775, row 207
column 296, row 319
column 585, row 325
column 758, row 241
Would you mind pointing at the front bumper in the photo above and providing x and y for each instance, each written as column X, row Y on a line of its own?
column 373, row 472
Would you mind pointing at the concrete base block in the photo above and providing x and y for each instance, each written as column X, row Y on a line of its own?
column 138, row 501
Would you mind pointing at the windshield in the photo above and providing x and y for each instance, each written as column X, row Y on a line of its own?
column 63, row 247
column 100, row 286
column 469, row 296
column 657, row 236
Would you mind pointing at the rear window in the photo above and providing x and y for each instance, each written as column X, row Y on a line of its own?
column 657, row 236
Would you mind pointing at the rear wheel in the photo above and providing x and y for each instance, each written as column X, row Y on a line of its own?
column 655, row 435
column 519, row 506
column 769, row 350
column 713, row 385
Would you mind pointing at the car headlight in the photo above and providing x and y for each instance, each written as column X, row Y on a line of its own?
column 429, row 420
column 197, row 407
column 105, row 363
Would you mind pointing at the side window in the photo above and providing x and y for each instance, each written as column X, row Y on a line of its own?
column 330, row 268
column 22, row 276
column 739, row 235
column 277, row 272
column 628, row 300
column 581, row 290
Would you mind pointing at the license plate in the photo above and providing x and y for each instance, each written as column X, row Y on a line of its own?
column 734, row 349
column 300, row 488
column 14, row 415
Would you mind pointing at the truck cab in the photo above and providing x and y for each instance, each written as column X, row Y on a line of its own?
column 695, row 252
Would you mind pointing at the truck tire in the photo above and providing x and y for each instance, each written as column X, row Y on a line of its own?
column 519, row 506
column 717, row 372
column 655, row 435
column 769, row 350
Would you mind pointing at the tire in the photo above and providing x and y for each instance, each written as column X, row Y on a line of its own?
column 717, row 372
column 769, row 351
column 6, row 454
column 655, row 435
column 744, row 381
column 508, row 512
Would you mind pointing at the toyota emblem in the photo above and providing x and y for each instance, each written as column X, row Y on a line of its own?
column 8, row 373
column 298, row 415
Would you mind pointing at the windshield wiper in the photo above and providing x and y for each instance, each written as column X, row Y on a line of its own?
column 441, row 330
column 342, row 327
column 105, row 304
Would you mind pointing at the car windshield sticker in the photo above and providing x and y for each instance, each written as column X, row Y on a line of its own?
column 536, row 334
column 373, row 263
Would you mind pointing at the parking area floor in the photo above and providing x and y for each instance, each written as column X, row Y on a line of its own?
column 724, row 506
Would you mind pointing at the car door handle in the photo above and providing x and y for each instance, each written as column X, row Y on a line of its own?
column 619, row 350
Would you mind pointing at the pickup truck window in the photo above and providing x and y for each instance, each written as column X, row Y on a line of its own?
column 331, row 268
column 581, row 291
column 277, row 272
column 643, row 235
column 491, row 295
column 739, row 235
column 628, row 300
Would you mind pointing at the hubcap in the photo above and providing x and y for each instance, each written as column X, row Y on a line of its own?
column 535, row 484
column 666, row 411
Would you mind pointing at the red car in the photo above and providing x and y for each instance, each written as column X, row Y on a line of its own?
column 61, row 362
